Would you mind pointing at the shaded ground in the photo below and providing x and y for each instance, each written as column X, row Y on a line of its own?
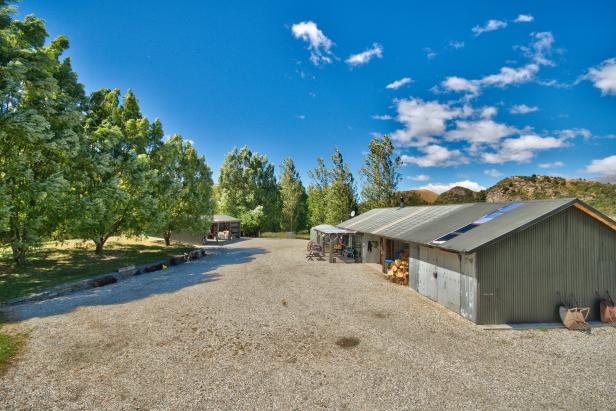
column 56, row 263
column 262, row 328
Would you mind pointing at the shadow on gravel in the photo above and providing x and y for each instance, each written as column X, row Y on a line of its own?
column 139, row 287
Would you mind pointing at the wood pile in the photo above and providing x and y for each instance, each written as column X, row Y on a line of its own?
column 398, row 271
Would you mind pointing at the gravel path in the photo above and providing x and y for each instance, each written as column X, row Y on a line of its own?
column 255, row 326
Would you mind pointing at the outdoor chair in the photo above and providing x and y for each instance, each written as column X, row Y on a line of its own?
column 314, row 250
column 350, row 252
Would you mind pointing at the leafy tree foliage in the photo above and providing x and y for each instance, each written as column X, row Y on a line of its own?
column 381, row 174
column 116, row 180
column 341, row 196
column 317, row 193
column 183, row 189
column 247, row 180
column 252, row 220
column 331, row 193
column 40, row 125
column 294, row 199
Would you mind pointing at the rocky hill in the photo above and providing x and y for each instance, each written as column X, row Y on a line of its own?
column 459, row 195
column 602, row 196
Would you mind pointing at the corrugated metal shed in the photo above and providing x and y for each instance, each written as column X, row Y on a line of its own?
column 424, row 224
column 521, row 277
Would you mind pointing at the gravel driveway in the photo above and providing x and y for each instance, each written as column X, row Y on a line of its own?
column 256, row 326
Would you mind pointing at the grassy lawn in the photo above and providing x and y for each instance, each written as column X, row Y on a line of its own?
column 302, row 235
column 56, row 263
column 9, row 346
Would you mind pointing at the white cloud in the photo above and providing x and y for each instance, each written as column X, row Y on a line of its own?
column 382, row 117
column 492, row 172
column 491, row 25
column 318, row 43
column 524, row 18
column 521, row 149
column 538, row 51
column 488, row 112
column 480, row 132
column 505, row 77
column 603, row 77
column 457, row 44
column 442, row 187
column 422, row 121
column 430, row 54
column 570, row 133
column 436, row 156
column 555, row 164
column 508, row 76
column 420, row 177
column 365, row 56
column 604, row 166
column 399, row 83
column 460, row 84
column 541, row 48
column 523, row 109
column 301, row 117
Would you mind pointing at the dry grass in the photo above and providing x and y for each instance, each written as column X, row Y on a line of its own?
column 55, row 263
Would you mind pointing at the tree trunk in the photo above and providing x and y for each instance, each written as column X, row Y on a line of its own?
column 167, row 237
column 100, row 243
column 19, row 255
column 18, row 244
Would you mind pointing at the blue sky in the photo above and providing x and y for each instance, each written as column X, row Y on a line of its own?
column 477, row 90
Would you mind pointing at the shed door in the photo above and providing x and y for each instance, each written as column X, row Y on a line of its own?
column 428, row 275
column 448, row 278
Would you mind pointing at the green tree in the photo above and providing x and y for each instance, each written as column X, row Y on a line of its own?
column 40, row 124
column 341, row 198
column 293, row 195
column 183, row 188
column 114, row 187
column 252, row 220
column 317, row 193
column 248, row 180
column 380, row 173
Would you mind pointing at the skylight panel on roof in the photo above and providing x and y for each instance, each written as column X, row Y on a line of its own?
column 488, row 217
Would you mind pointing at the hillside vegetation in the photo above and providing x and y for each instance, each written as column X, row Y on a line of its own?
column 602, row 196
column 458, row 195
column 418, row 197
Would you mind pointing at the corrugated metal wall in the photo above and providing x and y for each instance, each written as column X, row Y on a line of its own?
column 445, row 277
column 519, row 277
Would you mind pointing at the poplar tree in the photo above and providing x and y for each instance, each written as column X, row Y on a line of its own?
column 293, row 195
column 341, row 197
column 317, row 193
column 380, row 173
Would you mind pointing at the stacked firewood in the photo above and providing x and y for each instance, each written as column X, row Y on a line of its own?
column 398, row 271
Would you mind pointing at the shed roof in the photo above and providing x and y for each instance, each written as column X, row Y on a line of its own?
column 424, row 224
column 222, row 218
column 330, row 229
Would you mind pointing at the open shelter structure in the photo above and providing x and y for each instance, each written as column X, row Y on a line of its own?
column 225, row 226
column 336, row 240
